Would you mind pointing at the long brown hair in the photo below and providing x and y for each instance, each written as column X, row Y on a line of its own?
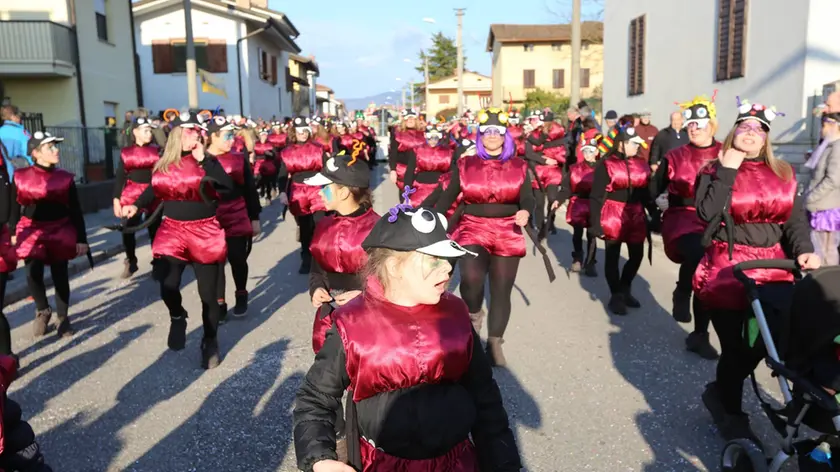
column 782, row 169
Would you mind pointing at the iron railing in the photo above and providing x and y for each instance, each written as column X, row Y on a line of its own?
column 87, row 148
column 36, row 42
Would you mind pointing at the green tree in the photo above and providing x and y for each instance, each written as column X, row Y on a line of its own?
column 443, row 58
column 538, row 99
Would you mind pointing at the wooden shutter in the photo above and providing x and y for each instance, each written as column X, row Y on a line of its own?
column 559, row 79
column 289, row 83
column 631, row 60
column 724, row 38
column 162, row 56
column 273, row 71
column 738, row 45
column 528, row 78
column 217, row 56
column 584, row 78
column 640, row 55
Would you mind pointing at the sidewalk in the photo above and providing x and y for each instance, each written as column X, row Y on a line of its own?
column 104, row 244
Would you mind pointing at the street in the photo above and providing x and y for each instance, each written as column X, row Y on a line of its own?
column 584, row 390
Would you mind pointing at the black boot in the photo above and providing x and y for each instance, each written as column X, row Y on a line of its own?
column 630, row 300
column 209, row 353
column 241, row 307
column 682, row 305
column 223, row 311
column 590, row 270
column 41, row 322
column 64, row 329
column 177, row 332
column 731, row 426
column 699, row 344
column 617, row 305
column 305, row 263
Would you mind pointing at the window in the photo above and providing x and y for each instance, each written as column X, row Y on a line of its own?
column 443, row 99
column 528, row 47
column 732, row 28
column 584, row 46
column 528, row 78
column 267, row 66
column 636, row 57
column 556, row 46
column 559, row 79
column 110, row 109
column 170, row 55
column 101, row 19
column 584, row 78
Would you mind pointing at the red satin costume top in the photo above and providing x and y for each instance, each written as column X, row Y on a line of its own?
column 48, row 241
column 580, row 184
column 436, row 159
column 403, row 142
column 264, row 165
column 36, row 185
column 136, row 158
column 306, row 158
column 683, row 165
column 278, row 140
column 623, row 218
column 181, row 183
column 233, row 213
column 758, row 197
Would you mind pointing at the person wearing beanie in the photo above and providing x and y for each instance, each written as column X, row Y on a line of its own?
column 647, row 132
column 610, row 119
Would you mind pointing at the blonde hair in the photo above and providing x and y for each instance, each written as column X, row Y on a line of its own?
column 403, row 128
column 172, row 153
column 782, row 169
column 247, row 135
column 377, row 264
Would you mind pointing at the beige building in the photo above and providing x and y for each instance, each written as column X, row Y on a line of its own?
column 527, row 57
column 443, row 94
column 301, row 74
column 70, row 60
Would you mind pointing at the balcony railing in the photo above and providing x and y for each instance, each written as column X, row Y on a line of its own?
column 36, row 48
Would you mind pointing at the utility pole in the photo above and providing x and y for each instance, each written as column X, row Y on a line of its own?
column 403, row 97
column 459, row 12
column 426, row 95
column 574, row 97
column 192, row 87
column 411, row 84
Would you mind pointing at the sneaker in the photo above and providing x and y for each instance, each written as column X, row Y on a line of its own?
column 210, row 353
column 682, row 305
column 177, row 339
column 129, row 269
column 617, row 304
column 699, row 344
column 241, row 307
column 631, row 301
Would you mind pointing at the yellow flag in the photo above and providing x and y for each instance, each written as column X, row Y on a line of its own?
column 211, row 84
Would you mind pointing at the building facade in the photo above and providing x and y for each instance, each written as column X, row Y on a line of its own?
column 302, row 74
column 658, row 52
column 70, row 61
column 530, row 57
column 443, row 94
column 242, row 46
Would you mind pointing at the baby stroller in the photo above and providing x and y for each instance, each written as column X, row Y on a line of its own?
column 804, row 356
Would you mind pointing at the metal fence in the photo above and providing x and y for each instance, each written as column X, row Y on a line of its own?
column 90, row 153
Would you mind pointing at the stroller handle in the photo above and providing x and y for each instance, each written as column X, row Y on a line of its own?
column 781, row 264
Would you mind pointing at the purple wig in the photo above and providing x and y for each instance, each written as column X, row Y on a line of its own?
column 508, row 148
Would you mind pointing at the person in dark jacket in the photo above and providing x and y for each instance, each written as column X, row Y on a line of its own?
column 668, row 139
column 646, row 131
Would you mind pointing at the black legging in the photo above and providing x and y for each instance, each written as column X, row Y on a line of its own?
column 539, row 209
column 38, row 290
column 130, row 240
column 502, row 271
column 737, row 358
column 5, row 329
column 206, row 276
column 306, row 223
column 587, row 257
column 692, row 250
column 265, row 184
column 612, row 254
column 239, row 247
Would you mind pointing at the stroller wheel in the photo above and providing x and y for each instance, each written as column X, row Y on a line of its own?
column 742, row 455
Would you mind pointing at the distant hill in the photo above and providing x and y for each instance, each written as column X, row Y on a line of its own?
column 361, row 103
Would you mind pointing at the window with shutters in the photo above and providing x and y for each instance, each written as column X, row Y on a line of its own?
column 528, row 47
column 170, row 55
column 443, row 99
column 584, row 78
column 559, row 78
column 636, row 57
column 101, row 9
column 267, row 65
column 528, row 78
column 732, row 37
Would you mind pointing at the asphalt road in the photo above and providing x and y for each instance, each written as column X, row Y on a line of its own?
column 584, row 391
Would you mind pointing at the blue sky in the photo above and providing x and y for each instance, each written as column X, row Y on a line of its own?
column 361, row 46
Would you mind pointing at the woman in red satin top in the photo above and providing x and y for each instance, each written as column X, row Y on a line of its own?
column 617, row 204
column 748, row 198
column 238, row 211
column 495, row 187
column 545, row 152
column 50, row 229
column 412, row 406
column 184, row 180
column 133, row 175
column 682, row 230
column 266, row 168
column 426, row 163
column 405, row 137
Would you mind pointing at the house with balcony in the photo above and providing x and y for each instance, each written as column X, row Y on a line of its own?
column 328, row 105
column 528, row 57
column 735, row 52
column 69, row 61
column 240, row 47
column 443, row 94
column 302, row 77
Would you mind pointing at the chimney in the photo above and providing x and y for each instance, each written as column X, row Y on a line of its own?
column 246, row 4
column 259, row 3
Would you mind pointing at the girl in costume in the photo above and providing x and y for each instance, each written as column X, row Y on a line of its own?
column 408, row 136
column 426, row 163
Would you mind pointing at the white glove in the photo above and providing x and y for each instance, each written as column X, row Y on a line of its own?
column 662, row 201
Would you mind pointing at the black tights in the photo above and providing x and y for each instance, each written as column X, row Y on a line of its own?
column 612, row 254
column 737, row 358
column 306, row 223
column 130, row 240
column 206, row 276
column 692, row 250
column 38, row 290
column 539, row 209
column 238, row 249
column 578, row 255
column 5, row 329
column 502, row 271
column 265, row 184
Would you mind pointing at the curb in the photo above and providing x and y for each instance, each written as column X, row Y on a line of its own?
column 76, row 266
